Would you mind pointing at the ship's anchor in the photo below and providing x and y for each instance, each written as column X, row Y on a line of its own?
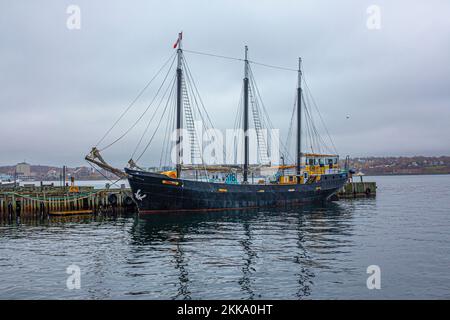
column 139, row 196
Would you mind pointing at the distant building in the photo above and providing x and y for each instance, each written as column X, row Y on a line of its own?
column 5, row 177
column 52, row 175
column 23, row 169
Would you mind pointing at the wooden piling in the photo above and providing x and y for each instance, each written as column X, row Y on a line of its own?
column 358, row 190
column 37, row 201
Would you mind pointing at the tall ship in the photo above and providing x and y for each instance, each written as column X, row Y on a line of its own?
column 190, row 183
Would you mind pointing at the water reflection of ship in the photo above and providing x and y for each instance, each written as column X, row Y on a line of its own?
column 250, row 257
column 181, row 263
column 173, row 229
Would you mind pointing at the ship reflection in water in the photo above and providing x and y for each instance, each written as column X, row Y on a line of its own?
column 247, row 254
column 304, row 253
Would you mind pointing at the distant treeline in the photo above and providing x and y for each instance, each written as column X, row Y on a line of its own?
column 367, row 165
column 401, row 165
column 43, row 172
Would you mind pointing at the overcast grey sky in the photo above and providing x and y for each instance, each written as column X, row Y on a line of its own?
column 61, row 89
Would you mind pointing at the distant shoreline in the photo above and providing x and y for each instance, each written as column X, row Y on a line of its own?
column 354, row 177
column 405, row 174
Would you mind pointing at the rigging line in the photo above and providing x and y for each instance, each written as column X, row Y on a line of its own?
column 306, row 132
column 266, row 114
column 309, row 138
column 237, row 117
column 171, row 143
column 260, row 98
column 159, row 123
column 238, row 126
column 190, row 93
column 167, row 157
column 153, row 116
column 289, row 135
column 320, row 139
column 309, row 123
column 189, row 86
column 320, row 115
column 263, row 117
column 213, row 55
column 166, row 140
column 170, row 125
column 314, row 139
column 254, row 62
column 174, row 126
column 113, row 183
column 240, row 59
column 190, row 83
column 145, row 111
column 291, row 126
column 134, row 101
column 198, row 93
column 240, row 139
column 333, row 149
column 262, row 121
column 272, row 66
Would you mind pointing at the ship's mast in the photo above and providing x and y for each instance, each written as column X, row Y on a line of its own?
column 179, row 106
column 299, row 120
column 246, row 153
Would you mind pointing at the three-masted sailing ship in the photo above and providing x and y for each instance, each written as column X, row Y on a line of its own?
column 313, row 177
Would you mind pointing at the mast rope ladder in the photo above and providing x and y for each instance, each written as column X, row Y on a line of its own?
column 190, row 124
column 262, row 146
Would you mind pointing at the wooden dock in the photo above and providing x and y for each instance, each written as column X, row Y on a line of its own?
column 358, row 190
column 50, row 200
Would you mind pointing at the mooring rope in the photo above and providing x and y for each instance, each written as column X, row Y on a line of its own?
column 54, row 199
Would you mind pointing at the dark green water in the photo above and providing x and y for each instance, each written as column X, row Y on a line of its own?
column 312, row 252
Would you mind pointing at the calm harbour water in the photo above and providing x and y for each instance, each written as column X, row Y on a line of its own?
column 307, row 253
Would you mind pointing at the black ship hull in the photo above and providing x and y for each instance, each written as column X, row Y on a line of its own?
column 154, row 192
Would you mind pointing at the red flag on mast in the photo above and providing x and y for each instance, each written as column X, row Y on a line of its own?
column 180, row 36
